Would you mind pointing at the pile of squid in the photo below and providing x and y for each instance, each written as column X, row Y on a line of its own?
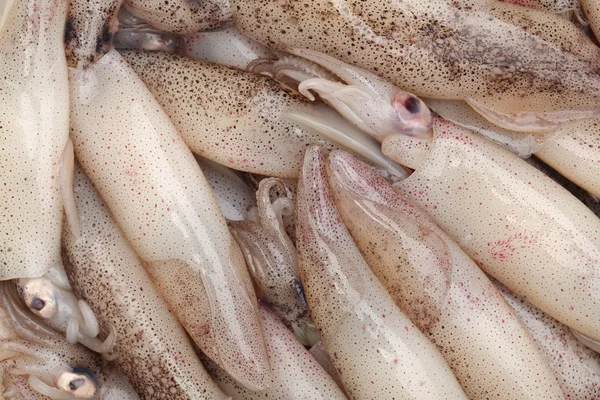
column 300, row 199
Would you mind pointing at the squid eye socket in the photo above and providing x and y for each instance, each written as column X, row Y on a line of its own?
column 40, row 296
column 79, row 382
column 412, row 105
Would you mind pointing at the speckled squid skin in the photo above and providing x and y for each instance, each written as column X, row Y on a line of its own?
column 34, row 128
column 181, row 16
column 359, row 324
column 230, row 116
column 434, row 49
column 576, row 367
column 520, row 226
column 156, row 191
column 296, row 375
column 574, row 151
column 90, row 28
column 440, row 288
column 152, row 348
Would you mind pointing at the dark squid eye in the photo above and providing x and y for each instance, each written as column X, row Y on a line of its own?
column 76, row 383
column 413, row 105
column 37, row 304
column 80, row 382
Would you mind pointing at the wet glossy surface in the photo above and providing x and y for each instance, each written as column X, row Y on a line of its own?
column 34, row 127
column 296, row 375
column 152, row 348
column 158, row 195
column 359, row 324
column 435, row 49
column 440, row 288
column 519, row 225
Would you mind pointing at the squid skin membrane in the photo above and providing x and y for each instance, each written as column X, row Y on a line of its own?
column 359, row 324
column 515, row 77
column 181, row 16
column 151, row 348
column 246, row 121
column 576, row 367
column 520, row 226
column 34, row 129
column 226, row 46
column 573, row 150
column 296, row 374
column 156, row 192
column 440, row 288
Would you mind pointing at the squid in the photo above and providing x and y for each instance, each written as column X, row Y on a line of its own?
column 358, row 322
column 181, row 16
column 369, row 102
column 574, row 150
column 576, row 367
column 34, row 120
column 519, row 79
column 296, row 374
column 151, row 348
column 439, row 287
column 37, row 363
column 272, row 260
column 520, row 226
column 118, row 387
column 38, row 166
column 245, row 121
column 156, row 191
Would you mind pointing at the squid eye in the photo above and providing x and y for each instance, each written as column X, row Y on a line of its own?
column 40, row 297
column 79, row 382
column 413, row 105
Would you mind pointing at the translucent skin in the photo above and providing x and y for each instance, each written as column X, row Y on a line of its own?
column 272, row 260
column 520, row 226
column 574, row 151
column 156, row 191
column 243, row 109
column 576, row 367
column 296, row 374
column 34, row 128
column 359, row 324
column 234, row 196
column 434, row 49
column 152, row 348
column 440, row 288
column 225, row 46
column 46, row 357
